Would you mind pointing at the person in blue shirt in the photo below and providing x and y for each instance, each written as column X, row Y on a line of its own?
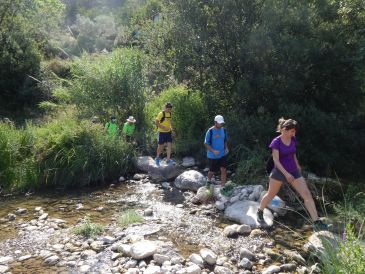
column 217, row 149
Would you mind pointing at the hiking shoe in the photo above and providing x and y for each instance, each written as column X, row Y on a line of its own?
column 157, row 161
column 260, row 215
column 319, row 226
column 170, row 162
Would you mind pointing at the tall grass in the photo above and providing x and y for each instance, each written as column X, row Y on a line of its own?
column 129, row 217
column 62, row 153
column 88, row 229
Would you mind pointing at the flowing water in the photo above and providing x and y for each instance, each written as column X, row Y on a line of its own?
column 178, row 224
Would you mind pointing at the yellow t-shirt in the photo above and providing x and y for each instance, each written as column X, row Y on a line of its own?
column 166, row 122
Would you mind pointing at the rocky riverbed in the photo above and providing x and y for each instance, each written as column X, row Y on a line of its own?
column 178, row 234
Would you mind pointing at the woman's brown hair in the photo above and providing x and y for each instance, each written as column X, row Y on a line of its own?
column 286, row 124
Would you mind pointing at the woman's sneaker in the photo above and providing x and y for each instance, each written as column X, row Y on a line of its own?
column 260, row 215
column 170, row 162
column 319, row 226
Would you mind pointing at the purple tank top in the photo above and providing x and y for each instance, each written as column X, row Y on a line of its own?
column 286, row 153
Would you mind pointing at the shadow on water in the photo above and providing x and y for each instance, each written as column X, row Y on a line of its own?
column 173, row 196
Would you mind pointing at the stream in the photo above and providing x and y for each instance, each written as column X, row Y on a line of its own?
column 183, row 227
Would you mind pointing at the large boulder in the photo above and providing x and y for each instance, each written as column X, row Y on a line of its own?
column 164, row 172
column 190, row 180
column 276, row 205
column 143, row 249
column 322, row 241
column 244, row 212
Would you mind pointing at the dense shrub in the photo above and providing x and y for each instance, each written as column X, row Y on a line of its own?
column 189, row 118
column 62, row 153
column 103, row 85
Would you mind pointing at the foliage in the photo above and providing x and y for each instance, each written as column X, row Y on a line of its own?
column 24, row 30
column 349, row 258
column 17, row 164
column 88, row 229
column 106, row 85
column 129, row 217
column 189, row 119
column 61, row 153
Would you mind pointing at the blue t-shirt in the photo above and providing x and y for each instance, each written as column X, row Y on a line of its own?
column 217, row 142
column 286, row 153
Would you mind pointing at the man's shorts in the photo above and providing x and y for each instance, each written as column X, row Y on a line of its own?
column 164, row 137
column 216, row 164
column 279, row 176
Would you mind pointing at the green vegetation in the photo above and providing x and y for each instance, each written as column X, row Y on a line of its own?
column 88, row 229
column 129, row 217
column 349, row 258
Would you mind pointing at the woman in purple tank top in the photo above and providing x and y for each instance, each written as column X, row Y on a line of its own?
column 287, row 169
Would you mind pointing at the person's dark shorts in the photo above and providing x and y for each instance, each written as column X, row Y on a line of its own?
column 279, row 176
column 164, row 137
column 216, row 164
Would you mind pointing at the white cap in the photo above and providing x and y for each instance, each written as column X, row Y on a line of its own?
column 131, row 119
column 219, row 119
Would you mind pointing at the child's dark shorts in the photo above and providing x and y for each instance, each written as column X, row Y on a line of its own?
column 216, row 164
column 164, row 137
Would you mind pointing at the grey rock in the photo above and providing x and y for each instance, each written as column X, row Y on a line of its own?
column 6, row 260
column 245, row 263
column 4, row 268
column 160, row 259
column 188, row 162
column 193, row 269
column 245, row 253
column 222, row 270
column 288, row 267
column 271, row 269
column 84, row 268
column 190, row 180
column 153, row 269
column 143, row 249
column 244, row 212
column 196, row 259
column 53, row 260
column 44, row 216
column 208, row 256
column 20, row 211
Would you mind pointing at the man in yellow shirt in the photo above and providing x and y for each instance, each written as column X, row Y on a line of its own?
column 165, row 133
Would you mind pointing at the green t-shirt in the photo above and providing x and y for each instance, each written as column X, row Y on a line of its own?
column 112, row 128
column 128, row 129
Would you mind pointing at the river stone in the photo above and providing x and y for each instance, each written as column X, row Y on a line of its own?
column 144, row 162
column 160, row 259
column 44, row 216
column 6, row 260
column 245, row 263
column 138, row 176
column 3, row 220
column 193, row 269
column 190, row 180
column 11, row 217
column 245, row 253
column 316, row 240
column 84, row 268
column 152, row 269
column 294, row 255
column 97, row 245
column 271, row 269
column 230, row 231
column 4, row 268
column 148, row 212
column 208, row 255
column 131, row 263
column 53, row 260
column 219, row 205
column 107, row 240
column 87, row 253
column 244, row 229
column 164, row 172
column 143, row 249
column 196, row 259
column 132, row 271
column 244, row 212
column 203, row 194
column 20, row 211
column 188, row 162
column 222, row 270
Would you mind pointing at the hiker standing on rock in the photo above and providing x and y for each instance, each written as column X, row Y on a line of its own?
column 165, row 133
column 217, row 149
column 287, row 169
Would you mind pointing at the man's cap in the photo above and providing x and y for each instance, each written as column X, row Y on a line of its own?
column 131, row 119
column 219, row 119
column 112, row 117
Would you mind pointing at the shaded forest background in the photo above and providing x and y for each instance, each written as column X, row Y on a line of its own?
column 253, row 61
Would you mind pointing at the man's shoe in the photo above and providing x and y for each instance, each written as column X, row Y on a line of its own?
column 170, row 162
column 260, row 215
column 157, row 161
column 319, row 226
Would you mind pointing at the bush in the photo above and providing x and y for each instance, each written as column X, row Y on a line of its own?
column 18, row 167
column 189, row 118
column 103, row 85
column 129, row 217
column 74, row 153
column 88, row 229
column 350, row 257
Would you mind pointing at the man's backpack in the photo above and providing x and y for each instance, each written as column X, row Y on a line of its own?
column 211, row 135
column 164, row 116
